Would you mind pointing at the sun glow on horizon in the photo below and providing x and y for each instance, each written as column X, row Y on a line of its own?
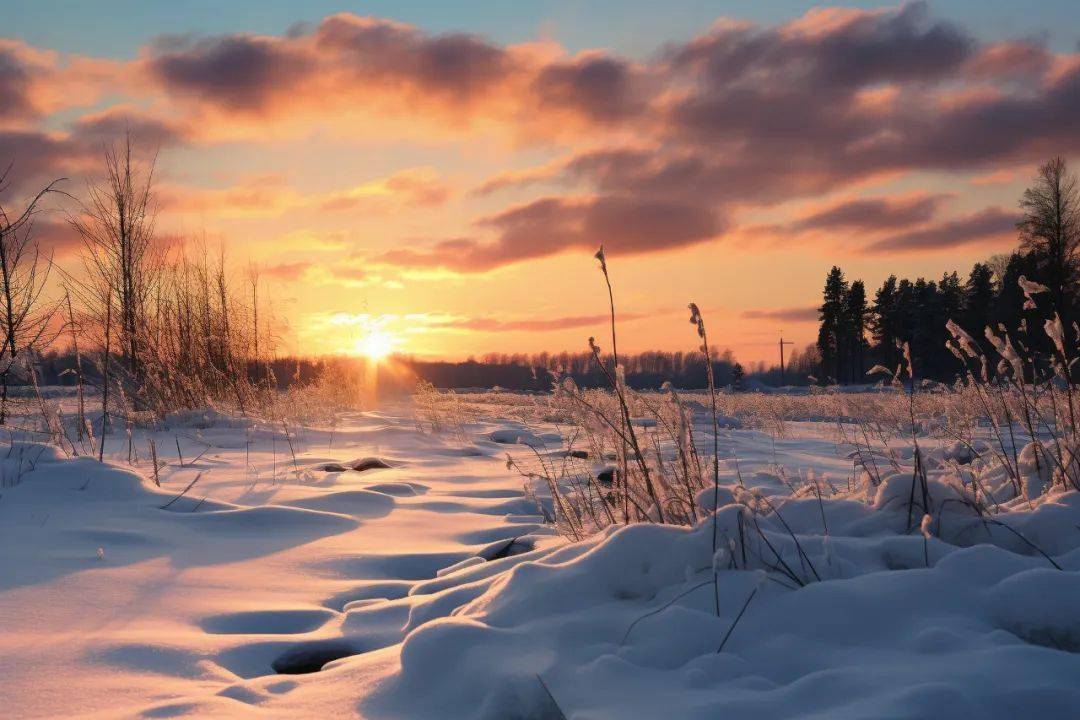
column 376, row 345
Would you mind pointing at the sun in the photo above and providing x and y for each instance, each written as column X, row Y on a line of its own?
column 375, row 345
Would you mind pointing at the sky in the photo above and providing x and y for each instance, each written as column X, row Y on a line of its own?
column 441, row 174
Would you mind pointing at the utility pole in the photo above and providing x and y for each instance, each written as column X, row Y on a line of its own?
column 783, row 342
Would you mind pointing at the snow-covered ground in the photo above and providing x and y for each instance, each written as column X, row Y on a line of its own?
column 275, row 587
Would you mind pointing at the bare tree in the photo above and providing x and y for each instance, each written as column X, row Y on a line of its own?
column 1050, row 227
column 105, row 378
column 122, row 257
column 999, row 265
column 24, row 317
column 80, row 418
column 253, row 280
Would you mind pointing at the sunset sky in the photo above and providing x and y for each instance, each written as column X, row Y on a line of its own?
column 442, row 173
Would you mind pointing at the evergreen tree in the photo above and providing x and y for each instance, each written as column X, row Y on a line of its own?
column 885, row 322
column 952, row 294
column 856, row 311
column 924, row 311
column 940, row 362
column 915, row 312
column 978, row 300
column 833, row 331
column 905, row 316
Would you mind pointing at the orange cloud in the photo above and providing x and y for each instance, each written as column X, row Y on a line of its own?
column 270, row 196
column 351, row 69
column 662, row 151
column 413, row 187
column 288, row 272
column 552, row 225
column 526, row 324
column 35, row 82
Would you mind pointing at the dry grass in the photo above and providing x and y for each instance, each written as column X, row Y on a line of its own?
column 998, row 439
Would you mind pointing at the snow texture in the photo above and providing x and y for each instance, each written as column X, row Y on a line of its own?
column 427, row 585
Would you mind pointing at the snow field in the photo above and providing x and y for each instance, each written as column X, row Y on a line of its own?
column 432, row 589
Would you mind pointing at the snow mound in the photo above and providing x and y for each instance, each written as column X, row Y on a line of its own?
column 269, row 518
column 516, row 436
column 357, row 503
column 398, row 489
column 812, row 585
column 898, row 491
column 876, row 622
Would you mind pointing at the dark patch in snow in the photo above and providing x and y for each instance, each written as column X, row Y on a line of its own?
column 506, row 548
column 311, row 657
column 519, row 436
column 369, row 463
column 1054, row 638
column 606, row 476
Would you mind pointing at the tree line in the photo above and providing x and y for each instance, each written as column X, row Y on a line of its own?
column 517, row 372
column 643, row 371
column 148, row 324
column 856, row 333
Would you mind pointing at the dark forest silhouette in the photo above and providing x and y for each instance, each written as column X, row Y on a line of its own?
column 856, row 333
column 517, row 372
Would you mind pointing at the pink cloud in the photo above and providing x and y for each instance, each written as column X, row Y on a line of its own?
column 742, row 116
column 289, row 271
column 989, row 226
column 794, row 314
column 553, row 225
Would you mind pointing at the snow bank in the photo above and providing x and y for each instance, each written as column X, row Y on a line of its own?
column 883, row 624
column 431, row 588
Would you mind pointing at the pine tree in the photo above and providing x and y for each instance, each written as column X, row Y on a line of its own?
column 833, row 331
column 978, row 300
column 885, row 322
column 737, row 376
column 952, row 293
column 856, row 312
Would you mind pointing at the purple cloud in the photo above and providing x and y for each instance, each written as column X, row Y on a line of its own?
column 986, row 226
